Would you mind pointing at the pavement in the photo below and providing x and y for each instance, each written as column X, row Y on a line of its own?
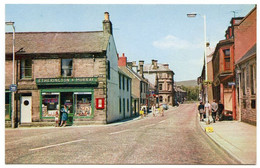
column 237, row 138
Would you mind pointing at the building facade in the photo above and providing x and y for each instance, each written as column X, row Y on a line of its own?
column 160, row 76
column 140, row 86
column 52, row 69
column 245, row 64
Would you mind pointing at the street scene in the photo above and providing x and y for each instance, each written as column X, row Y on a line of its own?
column 136, row 84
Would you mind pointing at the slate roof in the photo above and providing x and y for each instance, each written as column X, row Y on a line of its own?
column 160, row 67
column 249, row 53
column 57, row 42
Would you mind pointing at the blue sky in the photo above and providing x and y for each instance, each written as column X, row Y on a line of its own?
column 141, row 31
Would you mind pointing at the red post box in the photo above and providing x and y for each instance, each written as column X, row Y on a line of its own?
column 100, row 103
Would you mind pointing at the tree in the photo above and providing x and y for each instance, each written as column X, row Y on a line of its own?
column 192, row 92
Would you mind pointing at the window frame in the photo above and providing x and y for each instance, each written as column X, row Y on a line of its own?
column 23, row 69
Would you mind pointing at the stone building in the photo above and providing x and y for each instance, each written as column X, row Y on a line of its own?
column 160, row 76
column 245, row 68
column 52, row 69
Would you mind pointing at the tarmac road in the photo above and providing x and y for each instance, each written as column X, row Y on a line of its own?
column 176, row 138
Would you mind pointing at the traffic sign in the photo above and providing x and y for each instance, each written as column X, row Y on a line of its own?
column 13, row 88
column 231, row 83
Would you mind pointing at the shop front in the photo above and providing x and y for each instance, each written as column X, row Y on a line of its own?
column 76, row 93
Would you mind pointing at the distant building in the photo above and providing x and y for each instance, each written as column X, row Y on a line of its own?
column 180, row 95
column 160, row 76
column 139, row 84
column 79, row 69
column 245, row 68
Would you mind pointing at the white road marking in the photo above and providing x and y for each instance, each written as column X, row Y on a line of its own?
column 149, row 125
column 162, row 121
column 118, row 132
column 49, row 146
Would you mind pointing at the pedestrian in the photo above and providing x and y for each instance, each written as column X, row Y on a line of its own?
column 162, row 110
column 153, row 110
column 201, row 111
column 57, row 119
column 220, row 109
column 64, row 116
column 207, row 108
column 214, row 107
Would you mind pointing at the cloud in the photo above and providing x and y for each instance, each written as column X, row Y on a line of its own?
column 172, row 42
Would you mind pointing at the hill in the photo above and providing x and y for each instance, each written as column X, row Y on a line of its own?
column 187, row 83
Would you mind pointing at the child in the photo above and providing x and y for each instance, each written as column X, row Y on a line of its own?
column 57, row 119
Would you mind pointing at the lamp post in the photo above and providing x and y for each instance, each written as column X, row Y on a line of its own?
column 13, row 82
column 192, row 15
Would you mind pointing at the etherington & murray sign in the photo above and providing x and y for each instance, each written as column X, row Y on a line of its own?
column 66, row 81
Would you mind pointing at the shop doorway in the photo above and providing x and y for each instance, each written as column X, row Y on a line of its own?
column 67, row 98
column 26, row 109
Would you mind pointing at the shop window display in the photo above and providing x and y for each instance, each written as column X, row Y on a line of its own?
column 83, row 104
column 50, row 105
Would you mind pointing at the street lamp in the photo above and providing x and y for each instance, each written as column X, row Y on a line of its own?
column 192, row 15
column 13, row 82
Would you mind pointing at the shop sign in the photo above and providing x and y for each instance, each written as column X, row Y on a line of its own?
column 13, row 88
column 66, row 81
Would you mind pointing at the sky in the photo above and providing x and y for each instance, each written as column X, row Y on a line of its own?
column 141, row 31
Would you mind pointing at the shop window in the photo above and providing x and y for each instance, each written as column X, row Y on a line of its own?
column 83, row 104
column 50, row 104
column 26, row 69
column 66, row 67
column 7, row 105
column 227, row 59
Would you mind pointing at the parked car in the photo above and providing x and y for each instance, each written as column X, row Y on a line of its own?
column 165, row 106
column 227, row 115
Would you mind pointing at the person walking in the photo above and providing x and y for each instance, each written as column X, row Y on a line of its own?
column 207, row 108
column 201, row 111
column 153, row 110
column 64, row 116
column 220, row 109
column 214, row 107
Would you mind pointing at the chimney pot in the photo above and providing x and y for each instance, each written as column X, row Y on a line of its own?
column 106, row 14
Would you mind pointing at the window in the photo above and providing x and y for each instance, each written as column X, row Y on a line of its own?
column 123, row 78
column 108, row 70
column 161, row 99
column 128, row 105
column 127, row 85
column 244, row 81
column 26, row 68
column 169, row 99
column 253, row 79
column 160, row 86
column 253, row 104
column 7, row 105
column 66, row 67
column 50, row 104
column 169, row 87
column 83, row 103
column 124, row 105
column 120, row 105
column 119, row 81
column 227, row 59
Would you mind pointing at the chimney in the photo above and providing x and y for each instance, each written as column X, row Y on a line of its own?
column 166, row 66
column 129, row 64
column 141, row 68
column 107, row 25
column 154, row 63
column 122, row 60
